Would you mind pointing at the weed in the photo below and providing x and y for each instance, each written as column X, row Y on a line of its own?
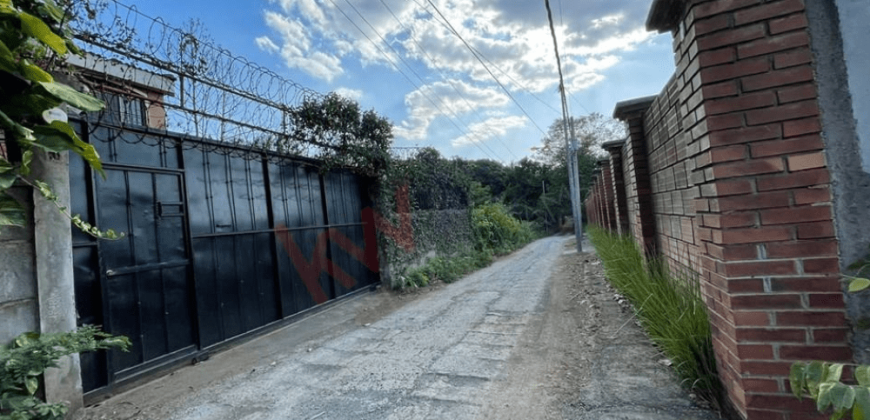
column 669, row 307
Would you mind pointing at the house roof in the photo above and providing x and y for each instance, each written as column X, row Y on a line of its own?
column 140, row 78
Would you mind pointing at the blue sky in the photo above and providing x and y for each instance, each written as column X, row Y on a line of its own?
column 442, row 96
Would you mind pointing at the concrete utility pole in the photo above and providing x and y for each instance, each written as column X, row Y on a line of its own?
column 570, row 145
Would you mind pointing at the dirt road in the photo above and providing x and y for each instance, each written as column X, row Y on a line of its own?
column 537, row 335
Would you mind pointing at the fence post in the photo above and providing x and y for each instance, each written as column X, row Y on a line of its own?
column 54, row 274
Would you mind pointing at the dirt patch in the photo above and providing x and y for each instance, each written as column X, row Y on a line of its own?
column 586, row 358
column 386, row 301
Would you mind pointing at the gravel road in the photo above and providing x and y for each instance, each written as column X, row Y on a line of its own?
column 537, row 335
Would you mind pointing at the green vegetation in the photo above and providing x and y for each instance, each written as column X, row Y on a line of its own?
column 669, row 307
column 33, row 37
column 494, row 232
column 23, row 361
column 821, row 380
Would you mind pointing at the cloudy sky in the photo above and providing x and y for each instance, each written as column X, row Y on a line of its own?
column 490, row 92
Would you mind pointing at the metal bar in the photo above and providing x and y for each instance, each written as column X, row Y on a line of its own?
column 181, row 137
column 273, row 246
column 276, row 230
column 193, row 309
column 146, row 267
column 140, row 168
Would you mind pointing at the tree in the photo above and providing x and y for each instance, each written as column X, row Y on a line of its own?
column 345, row 136
column 591, row 130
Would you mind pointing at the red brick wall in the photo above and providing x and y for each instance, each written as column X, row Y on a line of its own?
column 725, row 172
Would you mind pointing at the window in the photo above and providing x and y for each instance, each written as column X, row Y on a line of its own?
column 122, row 109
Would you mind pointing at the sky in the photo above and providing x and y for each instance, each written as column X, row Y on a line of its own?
column 402, row 59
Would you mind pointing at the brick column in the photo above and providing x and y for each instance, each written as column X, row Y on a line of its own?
column 618, row 186
column 637, row 177
column 607, row 193
column 769, row 255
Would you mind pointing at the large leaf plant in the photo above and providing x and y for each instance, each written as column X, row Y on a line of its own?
column 33, row 38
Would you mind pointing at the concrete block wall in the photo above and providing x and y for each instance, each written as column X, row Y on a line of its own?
column 731, row 171
column 19, row 306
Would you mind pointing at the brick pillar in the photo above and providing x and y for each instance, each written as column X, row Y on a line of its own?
column 607, row 193
column 637, row 177
column 618, row 187
column 769, row 255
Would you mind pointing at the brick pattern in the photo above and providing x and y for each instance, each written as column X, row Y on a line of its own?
column 638, row 192
column 765, row 206
column 725, row 173
column 618, row 188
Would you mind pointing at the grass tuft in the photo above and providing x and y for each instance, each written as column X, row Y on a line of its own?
column 670, row 308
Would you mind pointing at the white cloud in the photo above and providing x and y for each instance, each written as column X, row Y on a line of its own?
column 323, row 37
column 490, row 129
column 264, row 43
column 452, row 99
column 296, row 49
column 354, row 94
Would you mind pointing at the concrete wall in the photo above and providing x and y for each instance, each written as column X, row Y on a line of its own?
column 36, row 279
column 19, row 308
column 844, row 94
column 751, row 161
column 854, row 16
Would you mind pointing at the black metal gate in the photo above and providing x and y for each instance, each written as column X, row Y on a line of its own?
column 218, row 243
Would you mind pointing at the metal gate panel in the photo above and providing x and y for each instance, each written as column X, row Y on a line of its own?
column 233, row 257
column 146, row 286
column 348, row 244
column 224, row 246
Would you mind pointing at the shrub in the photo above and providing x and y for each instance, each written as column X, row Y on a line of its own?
column 24, row 360
column 669, row 307
column 497, row 231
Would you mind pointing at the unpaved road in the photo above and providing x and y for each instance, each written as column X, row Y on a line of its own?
column 537, row 335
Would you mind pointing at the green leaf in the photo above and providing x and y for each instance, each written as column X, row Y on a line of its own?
column 5, row 166
column 35, row 27
column 50, row 8
column 12, row 213
column 797, row 380
column 71, row 96
column 7, row 59
column 842, row 396
column 34, row 73
column 861, row 408
column 6, row 180
column 813, row 374
column 858, row 284
column 824, row 399
column 834, row 372
column 18, row 130
column 862, row 375
column 32, row 384
column 59, row 136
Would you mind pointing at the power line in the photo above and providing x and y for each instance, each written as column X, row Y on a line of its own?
column 452, row 29
column 448, row 80
column 400, row 70
column 470, row 133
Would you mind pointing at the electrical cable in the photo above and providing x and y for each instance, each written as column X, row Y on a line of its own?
column 453, row 30
column 448, row 80
column 402, row 72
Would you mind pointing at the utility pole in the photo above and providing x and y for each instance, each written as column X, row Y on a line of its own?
column 570, row 143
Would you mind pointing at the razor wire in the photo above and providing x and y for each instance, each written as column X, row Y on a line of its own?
column 209, row 96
